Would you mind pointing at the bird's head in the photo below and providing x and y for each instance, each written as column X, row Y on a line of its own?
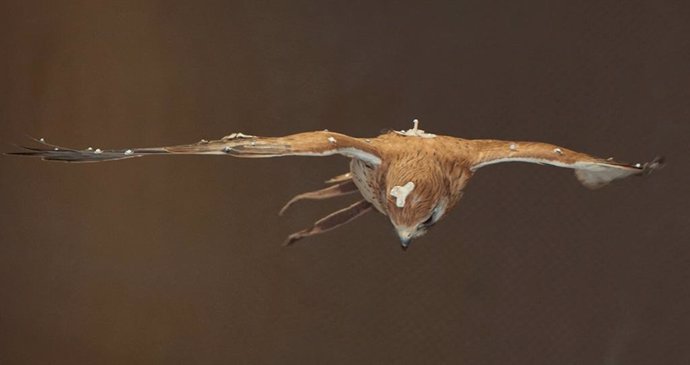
column 415, row 205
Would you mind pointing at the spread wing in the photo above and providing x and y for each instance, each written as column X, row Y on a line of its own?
column 237, row 144
column 592, row 172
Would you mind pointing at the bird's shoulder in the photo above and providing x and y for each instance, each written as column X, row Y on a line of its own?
column 394, row 141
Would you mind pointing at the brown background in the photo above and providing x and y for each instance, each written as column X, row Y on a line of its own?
column 178, row 260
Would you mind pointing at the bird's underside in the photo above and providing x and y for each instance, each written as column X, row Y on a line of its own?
column 414, row 178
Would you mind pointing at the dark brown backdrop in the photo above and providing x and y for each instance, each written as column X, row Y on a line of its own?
column 178, row 260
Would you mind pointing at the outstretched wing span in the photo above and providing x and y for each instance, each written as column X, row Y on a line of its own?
column 237, row 144
column 591, row 171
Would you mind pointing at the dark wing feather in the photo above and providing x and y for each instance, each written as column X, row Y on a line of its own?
column 237, row 144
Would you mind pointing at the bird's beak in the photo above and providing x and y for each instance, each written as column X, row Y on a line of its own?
column 405, row 237
column 405, row 244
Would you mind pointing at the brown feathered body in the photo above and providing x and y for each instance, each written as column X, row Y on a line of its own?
column 412, row 177
column 439, row 167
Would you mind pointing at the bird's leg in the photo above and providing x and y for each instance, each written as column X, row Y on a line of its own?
column 339, row 178
column 331, row 221
column 343, row 188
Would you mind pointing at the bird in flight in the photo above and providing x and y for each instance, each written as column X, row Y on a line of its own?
column 412, row 177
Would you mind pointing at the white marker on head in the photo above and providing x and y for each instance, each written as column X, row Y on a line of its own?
column 401, row 192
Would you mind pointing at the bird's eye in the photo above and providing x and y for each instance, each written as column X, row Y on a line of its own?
column 432, row 218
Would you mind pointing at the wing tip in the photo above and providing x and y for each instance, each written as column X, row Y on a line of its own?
column 607, row 172
column 50, row 152
column 657, row 163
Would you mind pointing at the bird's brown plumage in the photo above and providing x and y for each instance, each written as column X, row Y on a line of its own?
column 412, row 177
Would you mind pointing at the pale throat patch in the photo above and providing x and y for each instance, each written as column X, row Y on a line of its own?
column 401, row 192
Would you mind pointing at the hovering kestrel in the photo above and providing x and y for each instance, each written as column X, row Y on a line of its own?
column 412, row 177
